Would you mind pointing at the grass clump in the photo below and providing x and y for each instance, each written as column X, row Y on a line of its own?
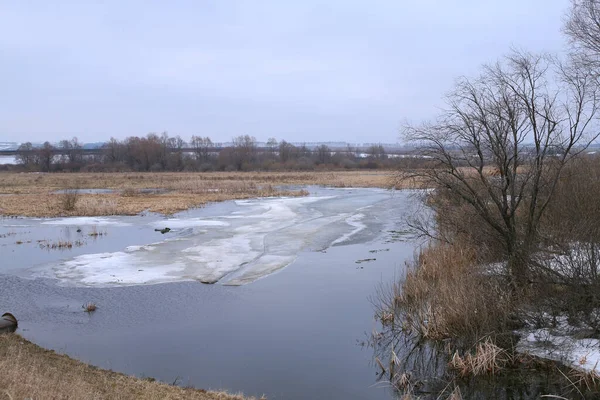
column 487, row 359
column 89, row 307
column 69, row 199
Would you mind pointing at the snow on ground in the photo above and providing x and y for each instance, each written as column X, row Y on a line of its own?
column 582, row 354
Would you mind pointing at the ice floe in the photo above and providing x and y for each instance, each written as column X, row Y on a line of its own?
column 98, row 221
column 253, row 239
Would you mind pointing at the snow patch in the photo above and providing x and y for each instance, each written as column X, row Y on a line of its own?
column 560, row 344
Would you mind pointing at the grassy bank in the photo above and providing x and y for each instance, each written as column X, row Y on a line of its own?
column 34, row 194
column 28, row 371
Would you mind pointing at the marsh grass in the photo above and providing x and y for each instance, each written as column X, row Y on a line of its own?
column 95, row 232
column 69, row 199
column 34, row 194
column 28, row 371
column 589, row 380
column 60, row 244
column 486, row 359
column 445, row 296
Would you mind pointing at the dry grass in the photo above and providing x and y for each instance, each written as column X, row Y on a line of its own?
column 28, row 371
column 69, row 199
column 34, row 194
column 89, row 307
column 445, row 296
column 60, row 244
column 590, row 380
column 487, row 359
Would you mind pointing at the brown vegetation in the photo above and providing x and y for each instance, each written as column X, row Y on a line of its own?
column 486, row 359
column 33, row 194
column 89, row 307
column 445, row 296
column 28, row 371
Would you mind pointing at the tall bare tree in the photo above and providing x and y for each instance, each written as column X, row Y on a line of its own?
column 26, row 155
column 202, row 147
column 583, row 30
column 502, row 143
column 244, row 150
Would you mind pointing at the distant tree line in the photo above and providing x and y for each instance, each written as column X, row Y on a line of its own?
column 155, row 153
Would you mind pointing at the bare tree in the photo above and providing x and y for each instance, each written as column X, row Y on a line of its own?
column 202, row 147
column 323, row 154
column 501, row 145
column 244, row 150
column 583, row 30
column 376, row 152
column 26, row 155
column 286, row 151
column 44, row 157
column 72, row 151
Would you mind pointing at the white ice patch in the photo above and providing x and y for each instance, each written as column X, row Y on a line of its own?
column 15, row 226
column 120, row 268
column 265, row 236
column 179, row 223
column 355, row 222
column 98, row 221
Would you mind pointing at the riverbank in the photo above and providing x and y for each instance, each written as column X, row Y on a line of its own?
column 29, row 371
column 99, row 194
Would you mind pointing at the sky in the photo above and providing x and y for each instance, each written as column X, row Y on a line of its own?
column 302, row 70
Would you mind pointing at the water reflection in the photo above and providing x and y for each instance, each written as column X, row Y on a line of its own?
column 414, row 368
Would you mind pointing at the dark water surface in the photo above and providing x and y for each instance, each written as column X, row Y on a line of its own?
column 295, row 334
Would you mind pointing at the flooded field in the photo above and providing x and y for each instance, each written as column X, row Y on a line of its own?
column 299, row 332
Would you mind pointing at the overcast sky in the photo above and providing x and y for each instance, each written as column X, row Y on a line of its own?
column 302, row 70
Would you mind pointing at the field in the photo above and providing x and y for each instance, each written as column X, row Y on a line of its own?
column 28, row 371
column 51, row 195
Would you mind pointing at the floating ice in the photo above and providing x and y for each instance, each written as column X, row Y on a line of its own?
column 255, row 239
column 354, row 221
column 120, row 268
column 181, row 223
column 98, row 221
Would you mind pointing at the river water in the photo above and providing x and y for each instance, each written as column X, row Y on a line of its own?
column 287, row 313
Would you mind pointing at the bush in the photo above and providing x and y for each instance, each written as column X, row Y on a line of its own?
column 69, row 199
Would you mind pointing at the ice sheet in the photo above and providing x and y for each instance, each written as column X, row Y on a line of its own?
column 98, row 221
column 254, row 239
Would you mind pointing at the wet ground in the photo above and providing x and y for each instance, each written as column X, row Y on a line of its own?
column 296, row 333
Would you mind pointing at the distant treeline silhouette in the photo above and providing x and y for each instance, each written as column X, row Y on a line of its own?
column 156, row 153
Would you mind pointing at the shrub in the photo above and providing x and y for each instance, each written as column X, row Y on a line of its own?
column 69, row 199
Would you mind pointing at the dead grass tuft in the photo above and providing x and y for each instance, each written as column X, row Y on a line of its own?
column 89, row 307
column 487, row 359
column 69, row 199
column 60, row 244
column 586, row 379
